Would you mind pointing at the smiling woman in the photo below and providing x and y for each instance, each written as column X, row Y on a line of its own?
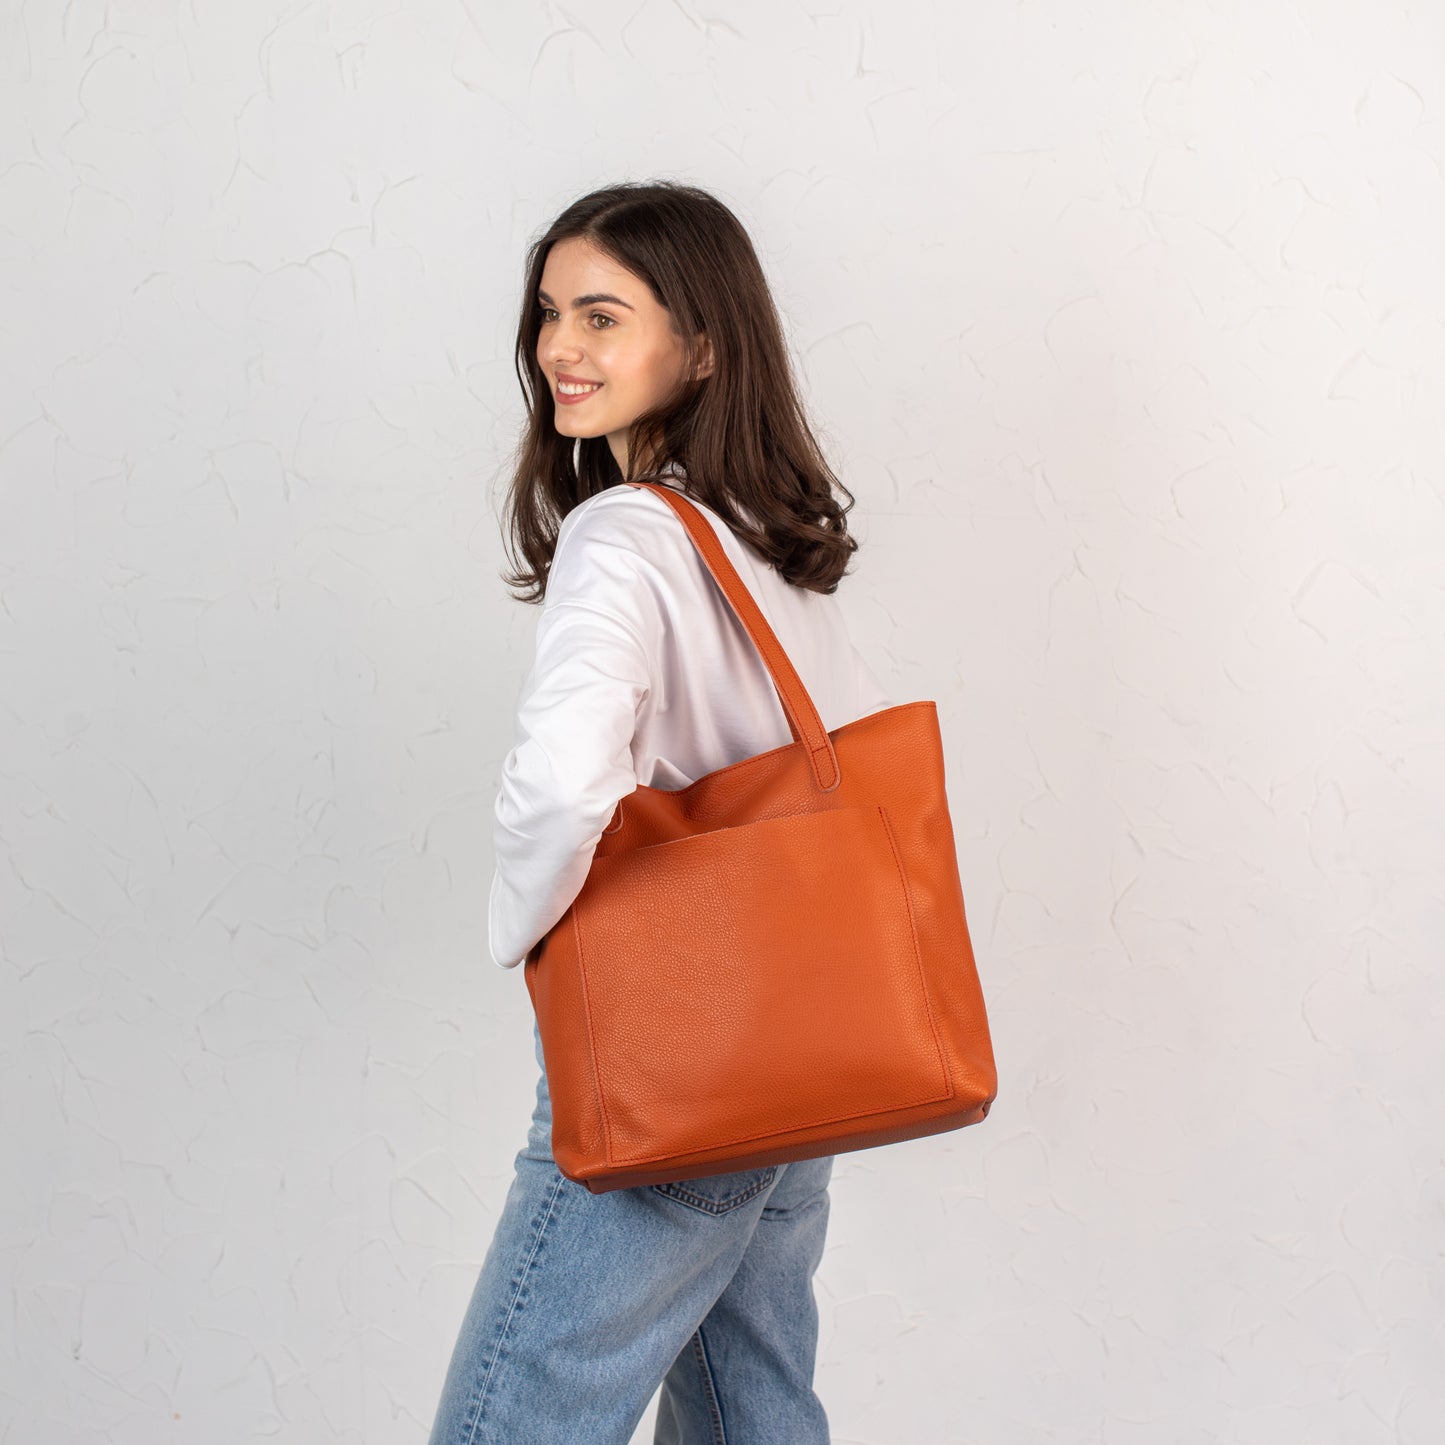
column 648, row 340
column 649, row 349
column 613, row 345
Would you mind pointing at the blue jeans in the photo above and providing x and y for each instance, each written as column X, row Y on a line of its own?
column 587, row 1302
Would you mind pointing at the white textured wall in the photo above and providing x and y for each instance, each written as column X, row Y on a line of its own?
column 1123, row 322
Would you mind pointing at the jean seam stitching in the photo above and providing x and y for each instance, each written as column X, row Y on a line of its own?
column 709, row 1389
column 480, row 1405
column 714, row 1206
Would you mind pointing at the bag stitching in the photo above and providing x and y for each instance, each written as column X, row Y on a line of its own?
column 917, row 952
column 597, row 1084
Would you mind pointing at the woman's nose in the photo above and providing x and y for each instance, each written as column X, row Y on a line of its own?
column 562, row 342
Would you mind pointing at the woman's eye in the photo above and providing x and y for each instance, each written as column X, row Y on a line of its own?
column 596, row 315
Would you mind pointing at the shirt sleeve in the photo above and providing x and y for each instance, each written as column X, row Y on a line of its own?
column 572, row 760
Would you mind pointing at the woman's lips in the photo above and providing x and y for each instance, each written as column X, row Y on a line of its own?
column 566, row 400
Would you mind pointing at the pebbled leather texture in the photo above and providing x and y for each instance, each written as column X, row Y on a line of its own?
column 772, row 963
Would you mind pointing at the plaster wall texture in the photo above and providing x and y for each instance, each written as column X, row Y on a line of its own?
column 1123, row 323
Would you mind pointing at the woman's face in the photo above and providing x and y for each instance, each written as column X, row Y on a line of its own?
column 606, row 347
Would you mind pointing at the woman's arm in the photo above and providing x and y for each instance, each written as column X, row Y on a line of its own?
column 572, row 762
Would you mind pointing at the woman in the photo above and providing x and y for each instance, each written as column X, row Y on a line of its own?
column 649, row 347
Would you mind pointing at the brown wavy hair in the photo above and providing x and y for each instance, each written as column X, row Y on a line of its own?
column 740, row 434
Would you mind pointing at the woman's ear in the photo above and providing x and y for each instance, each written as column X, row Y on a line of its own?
column 705, row 362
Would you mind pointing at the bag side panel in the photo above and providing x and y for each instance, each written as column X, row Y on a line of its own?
column 554, row 979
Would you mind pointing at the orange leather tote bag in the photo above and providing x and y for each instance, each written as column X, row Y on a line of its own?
column 772, row 963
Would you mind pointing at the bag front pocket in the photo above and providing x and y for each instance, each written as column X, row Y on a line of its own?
column 753, row 981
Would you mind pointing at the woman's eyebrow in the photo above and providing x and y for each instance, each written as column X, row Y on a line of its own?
column 596, row 298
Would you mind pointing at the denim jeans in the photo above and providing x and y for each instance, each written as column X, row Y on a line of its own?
column 586, row 1303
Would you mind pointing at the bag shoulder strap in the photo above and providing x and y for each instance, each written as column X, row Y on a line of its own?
column 803, row 718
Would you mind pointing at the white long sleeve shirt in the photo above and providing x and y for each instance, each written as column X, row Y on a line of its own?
column 643, row 674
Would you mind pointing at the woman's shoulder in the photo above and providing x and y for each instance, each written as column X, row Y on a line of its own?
column 621, row 536
column 625, row 515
